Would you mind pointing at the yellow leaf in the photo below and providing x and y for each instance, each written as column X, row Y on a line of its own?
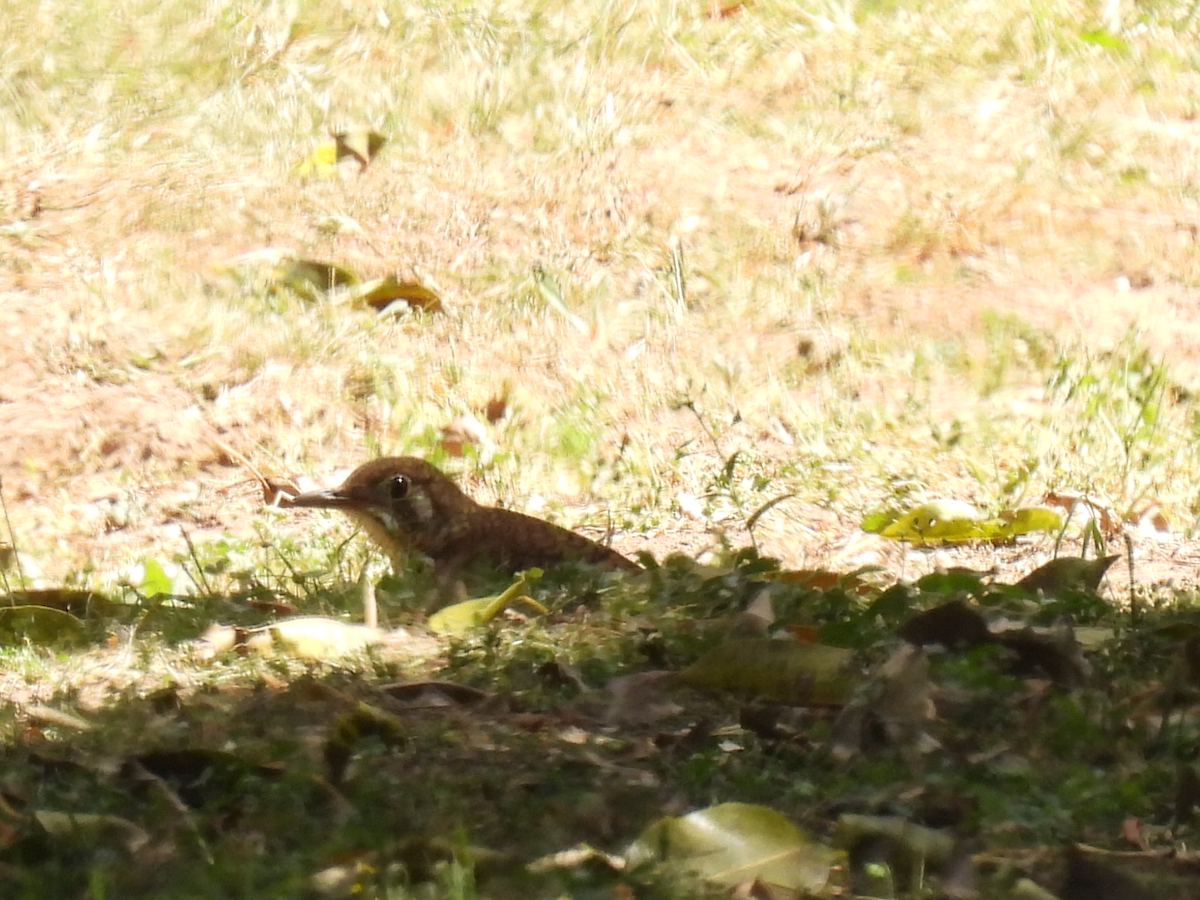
column 317, row 637
column 938, row 520
column 463, row 617
column 1031, row 518
column 322, row 161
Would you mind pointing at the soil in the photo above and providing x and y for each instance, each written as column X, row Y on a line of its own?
column 96, row 459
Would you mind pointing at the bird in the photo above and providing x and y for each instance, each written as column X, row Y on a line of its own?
column 408, row 506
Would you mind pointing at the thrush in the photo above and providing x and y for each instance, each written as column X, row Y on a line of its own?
column 408, row 506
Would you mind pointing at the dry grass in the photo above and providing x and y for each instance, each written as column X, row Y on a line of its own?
column 850, row 197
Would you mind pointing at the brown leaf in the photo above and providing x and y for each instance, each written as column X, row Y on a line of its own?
column 359, row 144
column 279, row 491
column 717, row 10
column 892, row 710
column 496, row 408
column 1080, row 508
column 383, row 292
column 1057, row 655
column 1131, row 832
column 641, row 698
column 465, row 431
column 826, row 580
column 1067, row 573
column 952, row 624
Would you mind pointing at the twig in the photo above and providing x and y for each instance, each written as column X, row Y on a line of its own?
column 1133, row 603
column 187, row 539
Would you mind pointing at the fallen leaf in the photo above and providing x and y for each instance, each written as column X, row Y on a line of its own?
column 938, row 520
column 465, row 431
column 781, row 671
column 319, row 637
column 496, row 408
column 360, row 144
column 39, row 625
column 380, row 293
column 953, row 624
column 641, row 698
column 461, row 618
column 350, row 729
column 732, row 843
column 311, row 279
column 1067, row 573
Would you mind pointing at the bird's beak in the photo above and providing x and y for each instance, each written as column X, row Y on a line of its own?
column 331, row 499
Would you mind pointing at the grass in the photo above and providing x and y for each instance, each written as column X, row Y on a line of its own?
column 810, row 261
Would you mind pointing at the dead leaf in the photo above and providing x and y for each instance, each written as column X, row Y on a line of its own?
column 465, row 431
column 360, row 144
column 952, row 625
column 380, row 293
column 1083, row 508
column 894, row 707
column 496, row 408
column 826, row 580
column 1151, row 521
column 1067, row 573
column 350, row 729
column 641, row 698
column 724, row 10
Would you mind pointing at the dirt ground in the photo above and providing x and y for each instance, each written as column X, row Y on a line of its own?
column 102, row 470
column 98, row 459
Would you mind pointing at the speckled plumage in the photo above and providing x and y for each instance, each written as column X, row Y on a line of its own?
column 408, row 506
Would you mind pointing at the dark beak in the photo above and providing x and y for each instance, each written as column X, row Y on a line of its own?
column 332, row 499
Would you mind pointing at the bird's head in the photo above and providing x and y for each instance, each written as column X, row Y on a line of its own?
column 402, row 502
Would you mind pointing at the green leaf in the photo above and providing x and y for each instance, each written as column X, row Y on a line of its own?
column 1102, row 37
column 735, row 843
column 154, row 579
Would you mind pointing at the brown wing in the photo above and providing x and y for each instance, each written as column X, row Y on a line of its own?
column 514, row 541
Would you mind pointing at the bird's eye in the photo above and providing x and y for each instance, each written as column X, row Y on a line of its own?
column 398, row 487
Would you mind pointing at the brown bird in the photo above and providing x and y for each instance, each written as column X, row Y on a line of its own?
column 408, row 506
